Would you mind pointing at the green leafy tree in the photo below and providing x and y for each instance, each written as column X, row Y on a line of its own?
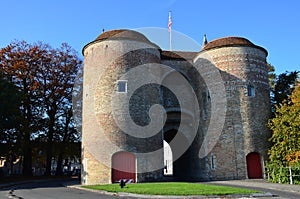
column 18, row 64
column 284, row 86
column 9, row 106
column 272, row 76
column 281, row 86
column 9, row 115
column 285, row 127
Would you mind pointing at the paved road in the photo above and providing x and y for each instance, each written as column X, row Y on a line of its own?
column 282, row 191
column 55, row 189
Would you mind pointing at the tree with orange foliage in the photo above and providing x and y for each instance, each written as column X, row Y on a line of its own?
column 285, row 127
column 44, row 77
column 19, row 62
column 56, row 81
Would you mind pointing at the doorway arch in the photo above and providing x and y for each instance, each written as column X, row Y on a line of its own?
column 254, row 168
column 123, row 166
column 181, row 156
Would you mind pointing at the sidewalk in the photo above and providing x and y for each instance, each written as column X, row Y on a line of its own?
column 281, row 190
column 260, row 183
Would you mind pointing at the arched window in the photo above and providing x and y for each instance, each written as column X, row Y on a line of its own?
column 168, row 159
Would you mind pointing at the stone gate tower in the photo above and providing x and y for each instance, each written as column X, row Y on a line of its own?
column 110, row 153
column 244, row 138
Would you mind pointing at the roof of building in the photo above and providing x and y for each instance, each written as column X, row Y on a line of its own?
column 122, row 34
column 230, row 41
column 178, row 55
column 125, row 34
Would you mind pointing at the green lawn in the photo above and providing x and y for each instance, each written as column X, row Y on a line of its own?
column 172, row 188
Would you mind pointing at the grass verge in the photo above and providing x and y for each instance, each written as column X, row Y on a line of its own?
column 172, row 188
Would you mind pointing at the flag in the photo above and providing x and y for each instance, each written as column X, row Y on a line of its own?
column 170, row 22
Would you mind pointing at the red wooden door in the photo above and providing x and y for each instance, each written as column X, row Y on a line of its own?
column 254, row 166
column 123, row 166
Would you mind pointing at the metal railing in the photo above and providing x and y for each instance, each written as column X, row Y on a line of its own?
column 291, row 173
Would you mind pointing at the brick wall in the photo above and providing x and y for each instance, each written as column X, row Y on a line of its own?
column 246, row 116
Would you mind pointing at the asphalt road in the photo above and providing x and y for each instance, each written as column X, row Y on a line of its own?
column 51, row 189
column 55, row 189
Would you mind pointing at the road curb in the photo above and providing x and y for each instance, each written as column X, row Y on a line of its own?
column 125, row 194
column 12, row 184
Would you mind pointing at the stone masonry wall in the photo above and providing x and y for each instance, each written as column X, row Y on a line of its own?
column 245, row 128
column 105, row 62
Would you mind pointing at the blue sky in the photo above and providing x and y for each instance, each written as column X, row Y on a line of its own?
column 274, row 25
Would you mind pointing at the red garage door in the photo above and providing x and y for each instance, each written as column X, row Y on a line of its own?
column 254, row 166
column 123, row 166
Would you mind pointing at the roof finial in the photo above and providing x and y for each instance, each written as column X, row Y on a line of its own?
column 204, row 41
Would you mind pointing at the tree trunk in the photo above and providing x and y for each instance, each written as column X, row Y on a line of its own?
column 49, row 153
column 49, row 146
column 27, row 152
column 27, row 162
column 62, row 146
column 59, row 164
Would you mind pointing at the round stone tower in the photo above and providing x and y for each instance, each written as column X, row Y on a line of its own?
column 127, row 79
column 242, row 148
column 113, row 103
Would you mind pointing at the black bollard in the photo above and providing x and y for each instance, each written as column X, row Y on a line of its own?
column 122, row 184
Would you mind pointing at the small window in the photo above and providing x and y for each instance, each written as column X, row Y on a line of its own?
column 208, row 95
column 122, row 86
column 213, row 162
column 251, row 91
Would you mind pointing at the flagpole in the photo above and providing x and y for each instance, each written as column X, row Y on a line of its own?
column 170, row 29
column 170, row 39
